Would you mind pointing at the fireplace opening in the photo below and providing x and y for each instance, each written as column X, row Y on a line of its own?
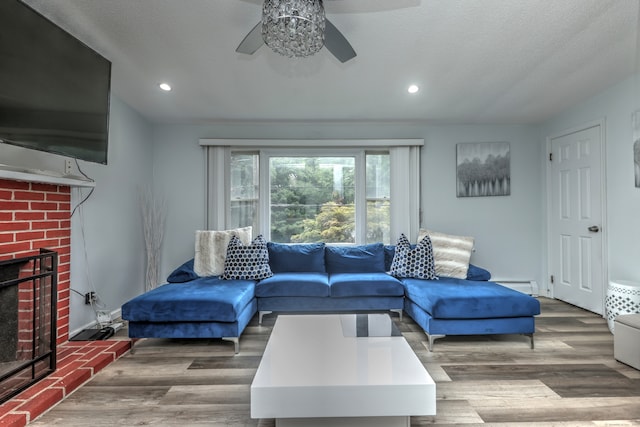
column 9, row 314
column 28, row 290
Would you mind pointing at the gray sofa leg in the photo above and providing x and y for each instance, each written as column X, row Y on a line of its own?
column 432, row 338
column 530, row 336
column 235, row 341
column 397, row 310
column 261, row 315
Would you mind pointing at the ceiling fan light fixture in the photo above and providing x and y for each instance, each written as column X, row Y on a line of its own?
column 293, row 28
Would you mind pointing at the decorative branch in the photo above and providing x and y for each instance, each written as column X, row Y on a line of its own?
column 153, row 218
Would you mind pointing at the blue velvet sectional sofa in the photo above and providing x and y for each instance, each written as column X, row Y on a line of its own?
column 319, row 278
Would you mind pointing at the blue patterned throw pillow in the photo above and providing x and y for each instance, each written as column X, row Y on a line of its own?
column 247, row 262
column 417, row 262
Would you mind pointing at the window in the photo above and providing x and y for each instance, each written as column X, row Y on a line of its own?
column 340, row 195
column 312, row 199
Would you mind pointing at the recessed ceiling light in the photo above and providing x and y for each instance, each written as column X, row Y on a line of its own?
column 165, row 86
column 413, row 89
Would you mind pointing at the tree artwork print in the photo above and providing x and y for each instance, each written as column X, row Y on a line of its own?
column 483, row 169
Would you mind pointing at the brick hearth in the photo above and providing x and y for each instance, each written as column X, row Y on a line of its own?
column 78, row 362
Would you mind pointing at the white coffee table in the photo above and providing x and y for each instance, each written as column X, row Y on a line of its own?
column 315, row 371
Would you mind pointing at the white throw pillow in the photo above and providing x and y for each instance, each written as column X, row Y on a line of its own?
column 211, row 249
column 451, row 253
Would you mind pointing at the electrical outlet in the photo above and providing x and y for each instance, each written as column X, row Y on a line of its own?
column 89, row 298
column 68, row 166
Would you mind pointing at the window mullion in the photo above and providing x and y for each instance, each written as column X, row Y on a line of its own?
column 264, row 211
column 361, row 198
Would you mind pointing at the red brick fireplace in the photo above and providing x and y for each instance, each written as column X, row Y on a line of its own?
column 35, row 216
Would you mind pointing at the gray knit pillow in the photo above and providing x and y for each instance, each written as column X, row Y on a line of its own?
column 247, row 262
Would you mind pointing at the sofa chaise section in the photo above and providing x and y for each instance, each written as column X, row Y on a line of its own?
column 206, row 307
column 450, row 306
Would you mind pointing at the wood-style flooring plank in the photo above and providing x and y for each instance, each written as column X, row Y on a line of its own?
column 207, row 395
column 498, row 389
column 625, row 411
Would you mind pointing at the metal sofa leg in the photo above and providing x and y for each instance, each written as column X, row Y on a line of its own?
column 530, row 336
column 432, row 338
column 397, row 310
column 235, row 341
column 261, row 315
column 132, row 349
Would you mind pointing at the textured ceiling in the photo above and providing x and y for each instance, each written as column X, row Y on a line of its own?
column 476, row 61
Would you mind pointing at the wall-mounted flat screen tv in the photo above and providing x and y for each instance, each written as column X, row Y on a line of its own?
column 54, row 90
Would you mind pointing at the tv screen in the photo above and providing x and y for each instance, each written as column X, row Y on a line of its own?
column 54, row 90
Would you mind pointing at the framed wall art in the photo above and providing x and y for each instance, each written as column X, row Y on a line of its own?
column 483, row 169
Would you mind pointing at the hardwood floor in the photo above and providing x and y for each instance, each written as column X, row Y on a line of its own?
column 569, row 379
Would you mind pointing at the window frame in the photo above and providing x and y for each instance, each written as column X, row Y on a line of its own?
column 404, row 174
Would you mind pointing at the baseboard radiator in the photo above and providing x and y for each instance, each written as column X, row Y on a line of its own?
column 529, row 287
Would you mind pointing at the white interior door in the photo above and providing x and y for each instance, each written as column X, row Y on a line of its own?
column 576, row 215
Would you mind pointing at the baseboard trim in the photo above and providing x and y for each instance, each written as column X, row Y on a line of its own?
column 115, row 315
column 529, row 287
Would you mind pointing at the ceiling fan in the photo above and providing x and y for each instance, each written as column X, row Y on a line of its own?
column 334, row 41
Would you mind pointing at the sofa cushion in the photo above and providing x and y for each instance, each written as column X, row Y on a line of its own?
column 184, row 273
column 451, row 253
column 478, row 273
column 294, row 284
column 307, row 257
column 247, row 262
column 364, row 284
column 389, row 253
column 355, row 259
column 413, row 262
column 202, row 300
column 450, row 298
column 211, row 249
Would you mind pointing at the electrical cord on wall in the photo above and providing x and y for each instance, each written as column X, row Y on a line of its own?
column 102, row 314
column 77, row 292
column 90, row 192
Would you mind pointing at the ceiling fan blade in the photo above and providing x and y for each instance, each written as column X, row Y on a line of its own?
column 337, row 43
column 251, row 41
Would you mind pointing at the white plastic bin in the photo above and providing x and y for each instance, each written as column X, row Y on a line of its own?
column 623, row 297
column 626, row 341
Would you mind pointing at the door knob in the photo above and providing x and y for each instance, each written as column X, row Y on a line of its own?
column 594, row 228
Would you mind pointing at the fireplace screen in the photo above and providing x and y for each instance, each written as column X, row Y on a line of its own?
column 28, row 289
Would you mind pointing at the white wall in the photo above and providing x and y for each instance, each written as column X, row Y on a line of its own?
column 615, row 106
column 115, row 253
column 507, row 229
